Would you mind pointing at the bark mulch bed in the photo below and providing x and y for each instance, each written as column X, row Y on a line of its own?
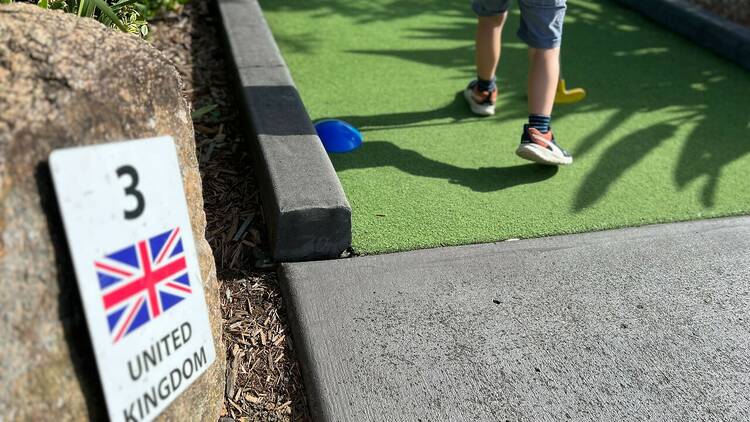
column 263, row 377
column 734, row 10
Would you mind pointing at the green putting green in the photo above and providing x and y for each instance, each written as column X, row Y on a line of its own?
column 664, row 134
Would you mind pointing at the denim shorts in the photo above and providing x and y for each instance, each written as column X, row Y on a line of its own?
column 541, row 20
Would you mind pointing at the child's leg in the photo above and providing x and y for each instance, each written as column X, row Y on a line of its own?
column 481, row 93
column 544, row 73
column 489, row 33
column 491, row 15
column 541, row 29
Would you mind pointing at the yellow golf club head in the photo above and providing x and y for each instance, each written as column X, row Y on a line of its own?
column 565, row 96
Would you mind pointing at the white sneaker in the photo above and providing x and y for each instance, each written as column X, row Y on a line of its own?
column 482, row 103
column 541, row 148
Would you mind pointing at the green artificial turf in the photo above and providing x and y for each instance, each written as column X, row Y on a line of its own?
column 664, row 134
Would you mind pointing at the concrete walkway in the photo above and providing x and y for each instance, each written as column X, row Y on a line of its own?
column 649, row 323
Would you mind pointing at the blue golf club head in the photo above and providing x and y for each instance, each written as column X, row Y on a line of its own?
column 338, row 135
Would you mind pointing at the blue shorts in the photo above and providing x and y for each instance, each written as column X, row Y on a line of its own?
column 541, row 20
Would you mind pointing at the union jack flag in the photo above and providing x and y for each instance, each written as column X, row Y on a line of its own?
column 140, row 282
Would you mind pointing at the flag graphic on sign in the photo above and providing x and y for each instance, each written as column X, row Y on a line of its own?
column 140, row 282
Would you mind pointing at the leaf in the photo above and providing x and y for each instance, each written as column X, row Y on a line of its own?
column 203, row 111
column 70, row 6
column 86, row 8
column 252, row 399
column 120, row 4
column 43, row 4
column 104, row 7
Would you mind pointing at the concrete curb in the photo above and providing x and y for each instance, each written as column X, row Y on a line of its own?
column 303, row 345
column 722, row 36
column 306, row 210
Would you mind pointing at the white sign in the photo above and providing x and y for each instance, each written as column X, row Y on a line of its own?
column 128, row 230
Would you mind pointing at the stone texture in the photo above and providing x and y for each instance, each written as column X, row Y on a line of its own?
column 68, row 81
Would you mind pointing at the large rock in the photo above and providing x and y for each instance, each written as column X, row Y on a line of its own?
column 69, row 81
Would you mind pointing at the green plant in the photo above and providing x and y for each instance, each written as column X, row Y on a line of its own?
column 107, row 16
column 151, row 8
column 127, row 15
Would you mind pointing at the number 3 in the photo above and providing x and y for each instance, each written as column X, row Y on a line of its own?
column 131, row 190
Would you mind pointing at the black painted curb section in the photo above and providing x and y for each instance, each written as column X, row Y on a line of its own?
column 722, row 36
column 306, row 210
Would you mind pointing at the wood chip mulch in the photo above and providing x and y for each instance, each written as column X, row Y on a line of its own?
column 263, row 377
column 734, row 10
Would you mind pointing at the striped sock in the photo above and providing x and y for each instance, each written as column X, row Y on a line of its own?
column 484, row 85
column 540, row 122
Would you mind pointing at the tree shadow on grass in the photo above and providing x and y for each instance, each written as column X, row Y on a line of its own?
column 370, row 11
column 455, row 112
column 618, row 159
column 711, row 147
column 631, row 77
column 381, row 153
column 485, row 179
column 641, row 78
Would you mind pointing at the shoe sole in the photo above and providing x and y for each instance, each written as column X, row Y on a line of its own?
column 478, row 109
column 542, row 156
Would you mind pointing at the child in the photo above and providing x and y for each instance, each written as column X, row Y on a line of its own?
column 541, row 29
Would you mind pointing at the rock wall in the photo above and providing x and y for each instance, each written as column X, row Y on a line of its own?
column 67, row 81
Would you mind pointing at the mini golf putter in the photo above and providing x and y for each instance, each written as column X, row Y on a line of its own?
column 565, row 96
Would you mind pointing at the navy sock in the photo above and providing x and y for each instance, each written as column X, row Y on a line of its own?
column 540, row 122
column 484, row 85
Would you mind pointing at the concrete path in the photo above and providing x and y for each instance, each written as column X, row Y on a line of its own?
column 650, row 323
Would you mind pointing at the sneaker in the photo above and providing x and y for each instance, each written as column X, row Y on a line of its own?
column 481, row 102
column 541, row 148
